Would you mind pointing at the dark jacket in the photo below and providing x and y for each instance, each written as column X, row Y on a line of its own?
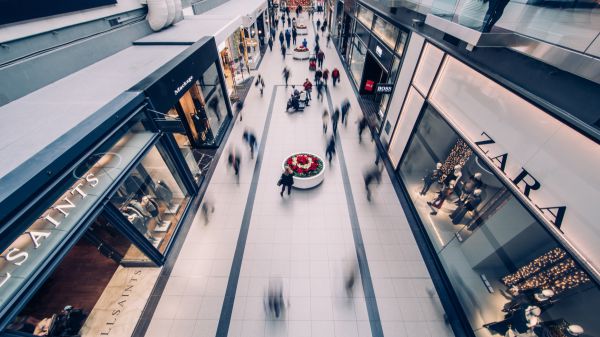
column 287, row 179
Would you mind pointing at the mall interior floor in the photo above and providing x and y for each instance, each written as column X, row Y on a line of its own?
column 307, row 241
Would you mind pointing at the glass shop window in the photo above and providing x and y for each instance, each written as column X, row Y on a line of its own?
column 385, row 31
column 152, row 199
column 365, row 16
column 357, row 63
column 361, row 32
column 102, row 272
column 401, row 43
column 508, row 271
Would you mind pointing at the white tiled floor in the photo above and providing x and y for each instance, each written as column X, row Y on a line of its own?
column 306, row 240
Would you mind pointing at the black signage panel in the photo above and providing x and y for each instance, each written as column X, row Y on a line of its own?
column 174, row 79
column 384, row 88
column 20, row 10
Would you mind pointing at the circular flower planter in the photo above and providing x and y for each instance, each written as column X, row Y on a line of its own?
column 308, row 168
column 303, row 54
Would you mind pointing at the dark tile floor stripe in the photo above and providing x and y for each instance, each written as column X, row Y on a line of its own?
column 236, row 265
column 363, row 264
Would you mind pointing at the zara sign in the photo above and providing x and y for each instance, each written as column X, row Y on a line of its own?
column 524, row 181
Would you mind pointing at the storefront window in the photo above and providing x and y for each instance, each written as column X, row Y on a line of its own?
column 365, row 16
column 357, row 62
column 387, row 32
column 92, row 286
column 152, row 199
column 401, row 43
column 508, row 271
column 203, row 110
column 362, row 33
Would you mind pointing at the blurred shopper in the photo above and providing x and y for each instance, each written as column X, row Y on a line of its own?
column 286, row 180
column 207, row 208
column 345, row 109
column 334, row 120
column 330, row 150
column 335, row 76
column 371, row 176
column 325, row 118
column 250, row 139
column 234, row 160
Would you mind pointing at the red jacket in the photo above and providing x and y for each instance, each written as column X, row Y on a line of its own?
column 335, row 73
column 307, row 86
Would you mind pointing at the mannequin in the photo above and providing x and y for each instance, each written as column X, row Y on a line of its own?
column 473, row 183
column 163, row 192
column 468, row 205
column 139, row 207
column 453, row 176
column 431, row 177
column 151, row 207
column 442, row 195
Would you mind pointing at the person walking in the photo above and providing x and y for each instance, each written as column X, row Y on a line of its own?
column 334, row 120
column 320, row 58
column 325, row 118
column 281, row 38
column 305, row 43
column 261, row 86
column 370, row 177
column 286, row 75
column 250, row 139
column 345, row 109
column 318, row 25
column 308, row 88
column 286, row 180
column 234, row 162
column 276, row 25
column 318, row 76
column 325, row 76
column 283, row 51
column 328, row 40
column 294, row 35
column 288, row 38
column 323, row 27
column 207, row 208
column 270, row 42
column 362, row 125
column 335, row 76
column 289, row 21
column 330, row 150
column 316, row 39
column 320, row 91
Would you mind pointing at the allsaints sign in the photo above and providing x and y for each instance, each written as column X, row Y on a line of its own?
column 524, row 181
column 18, row 254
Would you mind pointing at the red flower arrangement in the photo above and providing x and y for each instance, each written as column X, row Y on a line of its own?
column 305, row 165
column 300, row 49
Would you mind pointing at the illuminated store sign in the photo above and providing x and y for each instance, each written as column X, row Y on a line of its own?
column 56, row 221
column 524, row 181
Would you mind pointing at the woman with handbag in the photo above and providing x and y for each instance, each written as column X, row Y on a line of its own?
column 286, row 180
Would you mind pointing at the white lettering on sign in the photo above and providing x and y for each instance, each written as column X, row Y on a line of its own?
column 378, row 51
column 119, row 307
column 36, row 237
column 183, row 85
column 524, row 181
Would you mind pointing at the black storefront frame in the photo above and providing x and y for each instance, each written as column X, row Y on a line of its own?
column 435, row 263
column 347, row 56
column 169, row 83
column 102, row 206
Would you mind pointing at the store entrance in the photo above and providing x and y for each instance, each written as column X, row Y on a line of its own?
column 97, row 278
column 373, row 73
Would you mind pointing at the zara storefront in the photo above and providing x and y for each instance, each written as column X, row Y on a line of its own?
column 506, row 194
column 83, row 238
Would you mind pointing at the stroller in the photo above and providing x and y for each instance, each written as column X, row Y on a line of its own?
column 297, row 102
column 312, row 64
